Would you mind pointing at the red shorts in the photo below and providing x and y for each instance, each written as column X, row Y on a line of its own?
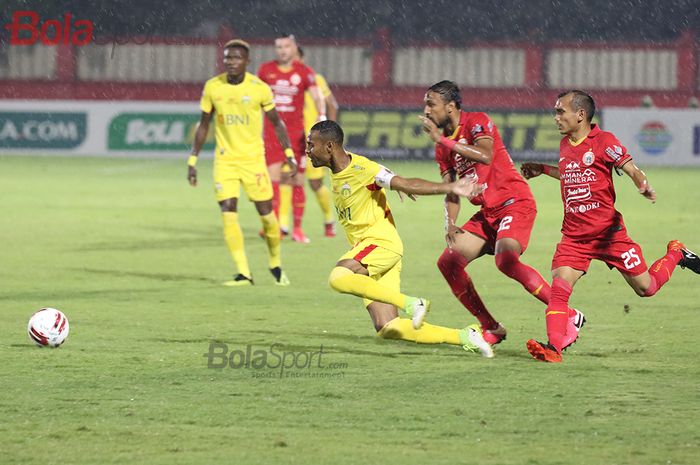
column 513, row 221
column 619, row 252
column 275, row 154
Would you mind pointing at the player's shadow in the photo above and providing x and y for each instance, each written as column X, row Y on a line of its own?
column 149, row 275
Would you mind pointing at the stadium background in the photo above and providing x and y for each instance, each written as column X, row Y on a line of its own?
column 97, row 220
column 509, row 60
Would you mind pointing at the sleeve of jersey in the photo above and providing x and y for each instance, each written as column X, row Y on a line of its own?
column 616, row 153
column 481, row 126
column 205, row 103
column 442, row 157
column 371, row 173
column 268, row 100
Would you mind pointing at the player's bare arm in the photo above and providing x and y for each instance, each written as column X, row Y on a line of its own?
column 331, row 107
column 531, row 170
column 283, row 137
column 640, row 180
column 480, row 152
column 319, row 101
column 416, row 186
column 200, row 136
column 452, row 206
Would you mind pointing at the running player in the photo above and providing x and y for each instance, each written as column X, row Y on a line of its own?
column 372, row 267
column 468, row 145
column 592, row 227
column 289, row 80
column 239, row 100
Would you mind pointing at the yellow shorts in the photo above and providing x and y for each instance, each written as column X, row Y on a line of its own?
column 315, row 173
column 384, row 265
column 254, row 176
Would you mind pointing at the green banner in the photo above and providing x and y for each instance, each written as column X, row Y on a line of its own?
column 42, row 130
column 155, row 132
column 394, row 133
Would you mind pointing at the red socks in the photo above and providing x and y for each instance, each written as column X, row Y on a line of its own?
column 557, row 316
column 661, row 271
column 452, row 265
column 298, row 204
column 509, row 263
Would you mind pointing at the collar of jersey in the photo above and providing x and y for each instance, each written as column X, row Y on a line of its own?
column 594, row 132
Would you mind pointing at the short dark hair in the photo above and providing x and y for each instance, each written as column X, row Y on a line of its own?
column 329, row 130
column 286, row 35
column 238, row 43
column 581, row 100
column 449, row 91
column 301, row 51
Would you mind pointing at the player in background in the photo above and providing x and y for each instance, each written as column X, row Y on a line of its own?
column 372, row 267
column 468, row 145
column 592, row 227
column 239, row 99
column 313, row 174
column 289, row 80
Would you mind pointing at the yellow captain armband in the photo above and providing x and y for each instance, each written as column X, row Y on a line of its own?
column 289, row 153
column 192, row 160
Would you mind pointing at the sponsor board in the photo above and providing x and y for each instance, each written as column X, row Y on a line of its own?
column 155, row 131
column 42, row 130
column 397, row 133
column 657, row 136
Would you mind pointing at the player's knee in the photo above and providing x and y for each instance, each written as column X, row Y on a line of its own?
column 335, row 279
column 506, row 261
column 451, row 261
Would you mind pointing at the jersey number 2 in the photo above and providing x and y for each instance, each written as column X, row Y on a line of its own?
column 505, row 223
column 631, row 259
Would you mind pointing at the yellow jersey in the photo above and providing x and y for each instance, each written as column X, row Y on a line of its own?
column 238, row 115
column 362, row 207
column 310, row 112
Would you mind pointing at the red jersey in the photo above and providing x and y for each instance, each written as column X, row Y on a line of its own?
column 587, row 188
column 503, row 182
column 288, row 87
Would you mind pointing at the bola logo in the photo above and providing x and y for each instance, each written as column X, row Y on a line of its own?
column 654, row 138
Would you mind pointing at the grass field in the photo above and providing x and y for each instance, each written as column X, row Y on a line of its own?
column 135, row 258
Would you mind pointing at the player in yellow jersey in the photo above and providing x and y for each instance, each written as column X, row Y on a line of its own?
column 313, row 174
column 372, row 267
column 239, row 99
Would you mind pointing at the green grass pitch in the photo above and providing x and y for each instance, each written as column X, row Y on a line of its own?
column 135, row 257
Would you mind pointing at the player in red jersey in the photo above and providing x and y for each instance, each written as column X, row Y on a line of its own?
column 289, row 79
column 468, row 145
column 592, row 227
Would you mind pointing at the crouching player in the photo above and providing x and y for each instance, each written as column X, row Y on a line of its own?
column 372, row 268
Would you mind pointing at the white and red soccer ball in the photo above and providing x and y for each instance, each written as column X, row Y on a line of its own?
column 48, row 327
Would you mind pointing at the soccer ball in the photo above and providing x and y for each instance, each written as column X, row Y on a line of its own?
column 48, row 327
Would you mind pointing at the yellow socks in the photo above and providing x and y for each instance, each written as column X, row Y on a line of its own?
column 285, row 205
column 272, row 237
column 323, row 195
column 343, row 280
column 402, row 328
column 234, row 240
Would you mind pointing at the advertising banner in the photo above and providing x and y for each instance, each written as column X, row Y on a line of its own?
column 657, row 136
column 393, row 133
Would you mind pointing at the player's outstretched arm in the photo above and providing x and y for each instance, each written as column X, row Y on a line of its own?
column 200, row 136
column 532, row 170
column 283, row 137
column 640, row 180
column 417, row 186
